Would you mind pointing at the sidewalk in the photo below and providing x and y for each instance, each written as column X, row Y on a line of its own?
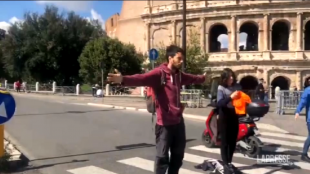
column 285, row 122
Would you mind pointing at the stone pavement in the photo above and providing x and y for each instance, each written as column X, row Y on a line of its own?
column 285, row 122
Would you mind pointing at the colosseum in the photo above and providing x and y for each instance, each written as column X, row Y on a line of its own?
column 276, row 45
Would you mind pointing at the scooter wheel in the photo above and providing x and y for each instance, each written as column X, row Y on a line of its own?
column 255, row 149
column 207, row 141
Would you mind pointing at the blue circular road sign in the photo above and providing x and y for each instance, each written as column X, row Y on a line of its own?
column 153, row 54
column 7, row 106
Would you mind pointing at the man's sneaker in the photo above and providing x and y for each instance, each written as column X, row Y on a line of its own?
column 305, row 157
column 228, row 170
column 234, row 169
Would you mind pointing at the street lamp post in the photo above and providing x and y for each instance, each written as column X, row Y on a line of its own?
column 184, row 33
column 184, row 37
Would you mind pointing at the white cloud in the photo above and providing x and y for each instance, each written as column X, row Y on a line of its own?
column 96, row 16
column 6, row 25
column 70, row 5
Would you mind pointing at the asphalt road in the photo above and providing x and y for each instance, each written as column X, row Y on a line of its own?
column 64, row 138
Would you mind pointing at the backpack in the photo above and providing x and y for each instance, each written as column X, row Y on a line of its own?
column 151, row 96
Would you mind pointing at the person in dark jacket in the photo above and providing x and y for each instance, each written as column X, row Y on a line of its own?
column 228, row 119
column 170, row 128
column 260, row 90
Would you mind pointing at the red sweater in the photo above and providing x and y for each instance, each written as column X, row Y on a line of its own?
column 169, row 109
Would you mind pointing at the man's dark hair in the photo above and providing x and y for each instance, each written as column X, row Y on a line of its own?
column 172, row 50
column 225, row 75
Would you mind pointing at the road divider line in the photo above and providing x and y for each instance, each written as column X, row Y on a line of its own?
column 148, row 165
column 101, row 105
column 201, row 118
column 131, row 108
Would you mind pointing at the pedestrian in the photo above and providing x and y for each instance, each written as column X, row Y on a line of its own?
column 170, row 127
column 260, row 91
column 228, row 119
column 18, row 86
column 266, row 90
column 305, row 102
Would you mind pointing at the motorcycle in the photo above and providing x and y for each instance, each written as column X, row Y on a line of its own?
column 248, row 142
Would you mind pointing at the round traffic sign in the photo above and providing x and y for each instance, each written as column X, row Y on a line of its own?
column 153, row 54
column 7, row 106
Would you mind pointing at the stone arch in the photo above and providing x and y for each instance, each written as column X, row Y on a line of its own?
column 287, row 22
column 156, row 29
column 280, row 35
column 187, row 25
column 305, row 81
column 248, row 82
column 247, row 21
column 215, row 24
column 161, row 39
column 304, row 22
column 279, row 80
column 218, row 36
column 306, row 33
column 180, row 32
column 248, row 36
column 242, row 75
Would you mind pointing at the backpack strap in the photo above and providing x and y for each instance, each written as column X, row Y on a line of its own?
column 163, row 81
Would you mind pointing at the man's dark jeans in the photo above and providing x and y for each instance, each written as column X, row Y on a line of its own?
column 169, row 137
column 307, row 142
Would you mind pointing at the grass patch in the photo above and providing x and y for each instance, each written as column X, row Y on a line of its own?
column 4, row 162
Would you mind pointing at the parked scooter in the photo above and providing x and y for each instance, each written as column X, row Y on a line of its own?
column 247, row 143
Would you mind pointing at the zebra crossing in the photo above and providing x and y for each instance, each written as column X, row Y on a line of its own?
column 275, row 142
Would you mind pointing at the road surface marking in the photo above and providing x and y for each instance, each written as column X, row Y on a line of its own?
column 202, row 148
column 101, row 105
column 287, row 136
column 281, row 142
column 149, row 165
column 90, row 170
column 255, row 170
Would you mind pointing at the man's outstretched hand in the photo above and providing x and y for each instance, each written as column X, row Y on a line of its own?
column 115, row 78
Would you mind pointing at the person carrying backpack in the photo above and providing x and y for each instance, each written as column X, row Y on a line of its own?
column 166, row 81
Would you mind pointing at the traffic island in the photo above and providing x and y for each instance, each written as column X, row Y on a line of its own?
column 12, row 159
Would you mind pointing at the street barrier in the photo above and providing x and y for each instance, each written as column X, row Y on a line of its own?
column 287, row 101
column 192, row 98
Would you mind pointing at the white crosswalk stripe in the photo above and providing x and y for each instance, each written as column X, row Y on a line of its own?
column 275, row 141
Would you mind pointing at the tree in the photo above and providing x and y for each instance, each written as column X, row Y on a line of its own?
column 2, row 34
column 113, row 54
column 46, row 47
column 196, row 59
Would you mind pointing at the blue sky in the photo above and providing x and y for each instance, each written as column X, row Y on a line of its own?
column 12, row 11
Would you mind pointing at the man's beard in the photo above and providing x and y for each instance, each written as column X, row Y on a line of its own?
column 177, row 67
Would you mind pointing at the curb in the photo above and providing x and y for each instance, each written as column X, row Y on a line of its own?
column 263, row 126
column 17, row 159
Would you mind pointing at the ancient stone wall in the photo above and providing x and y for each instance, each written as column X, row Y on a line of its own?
column 111, row 25
column 278, row 34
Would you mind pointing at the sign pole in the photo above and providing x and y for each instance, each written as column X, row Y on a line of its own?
column 102, row 78
column 2, row 140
